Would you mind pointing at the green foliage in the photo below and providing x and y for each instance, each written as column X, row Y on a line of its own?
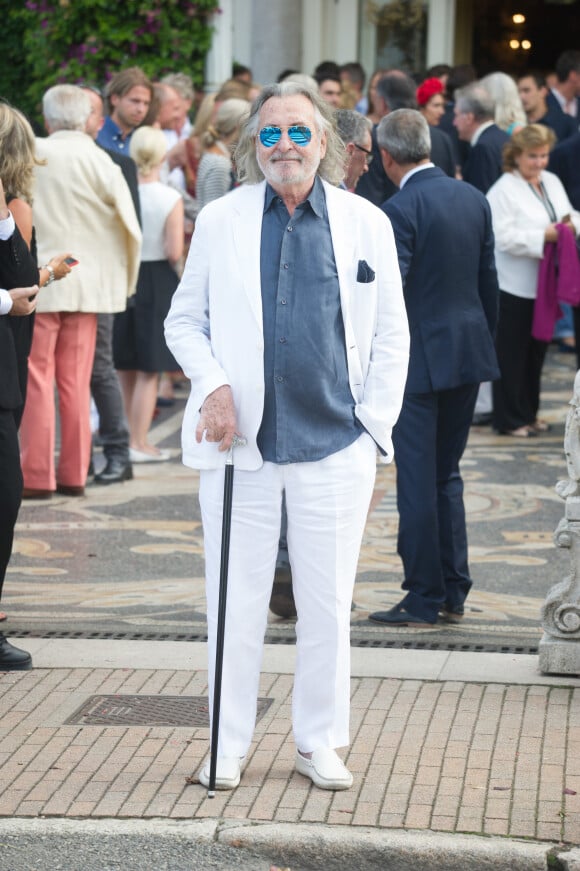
column 89, row 40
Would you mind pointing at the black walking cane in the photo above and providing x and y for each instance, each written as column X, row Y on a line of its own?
column 238, row 441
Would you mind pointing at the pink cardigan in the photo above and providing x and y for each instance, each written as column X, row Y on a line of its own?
column 558, row 281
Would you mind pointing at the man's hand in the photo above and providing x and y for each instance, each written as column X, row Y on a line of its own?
column 218, row 418
column 23, row 300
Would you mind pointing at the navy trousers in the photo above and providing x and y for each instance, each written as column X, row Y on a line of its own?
column 429, row 439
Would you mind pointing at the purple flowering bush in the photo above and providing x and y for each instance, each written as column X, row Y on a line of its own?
column 57, row 41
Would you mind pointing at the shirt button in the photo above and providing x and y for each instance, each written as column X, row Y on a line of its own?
column 279, row 378
column 290, row 229
column 282, row 302
column 282, row 339
column 285, row 266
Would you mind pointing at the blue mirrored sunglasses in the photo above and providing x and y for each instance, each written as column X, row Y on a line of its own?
column 300, row 135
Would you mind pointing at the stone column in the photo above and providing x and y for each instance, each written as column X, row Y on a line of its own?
column 560, row 645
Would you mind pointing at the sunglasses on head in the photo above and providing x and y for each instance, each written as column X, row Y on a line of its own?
column 300, row 135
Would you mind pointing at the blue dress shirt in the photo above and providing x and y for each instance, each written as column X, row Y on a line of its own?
column 110, row 136
column 308, row 405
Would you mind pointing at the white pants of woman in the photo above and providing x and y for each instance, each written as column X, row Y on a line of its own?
column 327, row 503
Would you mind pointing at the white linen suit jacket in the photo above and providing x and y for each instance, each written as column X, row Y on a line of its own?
column 214, row 326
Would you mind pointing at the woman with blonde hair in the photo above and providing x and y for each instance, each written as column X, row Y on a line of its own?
column 139, row 347
column 215, row 172
column 526, row 205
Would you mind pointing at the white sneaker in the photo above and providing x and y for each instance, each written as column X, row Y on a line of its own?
column 228, row 772
column 325, row 769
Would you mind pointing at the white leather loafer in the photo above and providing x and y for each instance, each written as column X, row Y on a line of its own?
column 228, row 772
column 325, row 769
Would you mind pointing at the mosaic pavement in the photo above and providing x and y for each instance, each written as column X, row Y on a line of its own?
column 128, row 558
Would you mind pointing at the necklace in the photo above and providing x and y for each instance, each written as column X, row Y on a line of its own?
column 543, row 197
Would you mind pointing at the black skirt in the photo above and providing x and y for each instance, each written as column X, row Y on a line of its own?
column 138, row 338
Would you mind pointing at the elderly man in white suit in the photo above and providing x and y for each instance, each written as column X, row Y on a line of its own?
column 290, row 323
column 81, row 199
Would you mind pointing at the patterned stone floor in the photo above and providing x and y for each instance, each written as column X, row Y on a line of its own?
column 129, row 558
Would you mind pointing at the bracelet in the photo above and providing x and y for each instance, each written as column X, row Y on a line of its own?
column 50, row 271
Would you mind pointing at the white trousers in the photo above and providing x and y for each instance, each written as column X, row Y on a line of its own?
column 327, row 503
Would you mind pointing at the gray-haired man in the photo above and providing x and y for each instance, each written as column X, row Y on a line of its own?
column 290, row 323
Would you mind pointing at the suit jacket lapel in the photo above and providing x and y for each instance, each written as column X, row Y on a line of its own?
column 247, row 233
column 343, row 243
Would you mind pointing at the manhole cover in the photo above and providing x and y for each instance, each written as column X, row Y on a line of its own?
column 148, row 711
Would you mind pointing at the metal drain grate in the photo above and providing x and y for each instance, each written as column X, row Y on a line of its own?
column 286, row 636
column 129, row 710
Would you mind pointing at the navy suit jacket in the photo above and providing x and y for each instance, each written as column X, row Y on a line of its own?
column 484, row 163
column 563, row 125
column 377, row 187
column 445, row 244
column 565, row 162
column 555, row 107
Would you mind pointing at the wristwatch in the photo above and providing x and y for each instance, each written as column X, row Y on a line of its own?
column 50, row 273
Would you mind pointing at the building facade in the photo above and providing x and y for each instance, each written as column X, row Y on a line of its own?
column 272, row 35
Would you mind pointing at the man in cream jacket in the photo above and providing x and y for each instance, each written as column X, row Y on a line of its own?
column 290, row 323
column 82, row 202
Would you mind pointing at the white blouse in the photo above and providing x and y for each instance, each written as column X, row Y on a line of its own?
column 520, row 219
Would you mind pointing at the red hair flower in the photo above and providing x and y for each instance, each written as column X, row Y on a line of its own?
column 428, row 89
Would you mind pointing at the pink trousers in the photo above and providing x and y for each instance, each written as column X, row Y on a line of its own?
column 63, row 349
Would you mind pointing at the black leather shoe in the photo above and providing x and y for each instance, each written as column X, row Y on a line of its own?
column 399, row 616
column 12, row 658
column 282, row 599
column 114, row 472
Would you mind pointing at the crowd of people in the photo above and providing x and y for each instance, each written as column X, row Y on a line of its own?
column 387, row 268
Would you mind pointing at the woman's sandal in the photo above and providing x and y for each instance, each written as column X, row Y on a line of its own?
column 522, row 432
column 540, row 425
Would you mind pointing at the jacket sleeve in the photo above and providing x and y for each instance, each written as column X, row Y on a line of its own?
column 18, row 267
column 488, row 282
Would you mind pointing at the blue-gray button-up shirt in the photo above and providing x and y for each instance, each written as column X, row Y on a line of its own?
column 111, row 137
column 308, row 405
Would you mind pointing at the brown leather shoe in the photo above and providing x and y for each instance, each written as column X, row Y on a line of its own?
column 66, row 490
column 30, row 493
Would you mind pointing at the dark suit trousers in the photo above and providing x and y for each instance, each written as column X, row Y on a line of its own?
column 106, row 390
column 10, row 486
column 516, row 396
column 429, row 439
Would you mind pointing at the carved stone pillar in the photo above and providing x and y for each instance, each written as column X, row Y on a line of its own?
column 560, row 645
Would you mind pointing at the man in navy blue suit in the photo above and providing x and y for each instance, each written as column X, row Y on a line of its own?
column 445, row 244
column 565, row 95
column 396, row 90
column 474, row 113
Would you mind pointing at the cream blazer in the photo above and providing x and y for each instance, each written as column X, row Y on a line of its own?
column 214, row 326
column 82, row 204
